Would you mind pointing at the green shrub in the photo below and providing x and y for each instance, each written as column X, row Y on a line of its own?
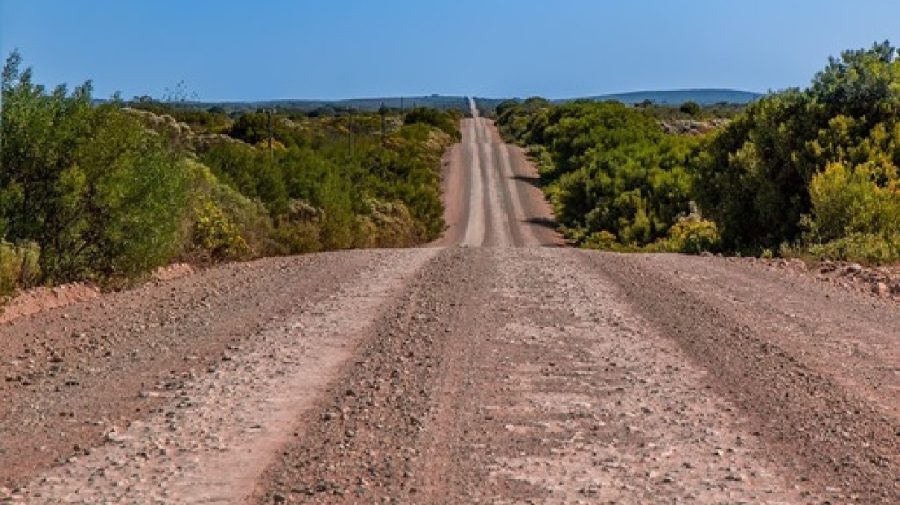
column 606, row 167
column 448, row 121
column 865, row 248
column 298, row 237
column 98, row 193
column 133, row 197
column 222, row 224
column 19, row 266
column 390, row 224
column 828, row 152
column 602, row 240
column 693, row 235
column 251, row 172
column 215, row 234
column 849, row 201
column 104, row 196
column 337, row 224
column 690, row 108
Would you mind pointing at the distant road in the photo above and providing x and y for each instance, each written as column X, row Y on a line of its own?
column 491, row 194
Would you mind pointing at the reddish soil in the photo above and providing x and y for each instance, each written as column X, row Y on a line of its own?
column 40, row 299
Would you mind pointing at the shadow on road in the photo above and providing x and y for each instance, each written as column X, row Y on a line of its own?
column 534, row 181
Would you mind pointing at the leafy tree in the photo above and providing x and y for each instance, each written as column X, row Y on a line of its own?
column 89, row 185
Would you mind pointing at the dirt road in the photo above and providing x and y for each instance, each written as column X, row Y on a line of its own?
column 490, row 367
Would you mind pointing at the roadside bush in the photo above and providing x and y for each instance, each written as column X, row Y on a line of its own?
column 129, row 196
column 298, row 237
column 337, row 183
column 221, row 223
column 250, row 172
column 853, row 217
column 815, row 166
column 813, row 169
column 98, row 193
column 19, row 267
column 215, row 234
column 848, row 201
column 107, row 194
column 606, row 168
column 448, row 122
column 693, row 235
column 337, row 226
column 602, row 240
column 866, row 248
column 390, row 224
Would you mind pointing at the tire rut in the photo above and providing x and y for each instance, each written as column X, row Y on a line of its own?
column 73, row 373
column 822, row 431
column 363, row 443
column 207, row 434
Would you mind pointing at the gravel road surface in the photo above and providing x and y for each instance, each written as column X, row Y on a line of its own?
column 493, row 366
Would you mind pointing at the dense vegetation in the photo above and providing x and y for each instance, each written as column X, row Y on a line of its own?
column 814, row 167
column 109, row 192
column 808, row 171
column 612, row 174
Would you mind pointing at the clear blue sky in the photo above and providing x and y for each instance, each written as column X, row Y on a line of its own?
column 352, row 48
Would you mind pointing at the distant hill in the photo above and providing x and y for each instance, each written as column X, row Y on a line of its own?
column 677, row 97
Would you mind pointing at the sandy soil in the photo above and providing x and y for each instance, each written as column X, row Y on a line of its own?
column 490, row 367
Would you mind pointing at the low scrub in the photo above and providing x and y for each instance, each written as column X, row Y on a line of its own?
column 608, row 169
column 110, row 192
column 859, row 247
column 19, row 267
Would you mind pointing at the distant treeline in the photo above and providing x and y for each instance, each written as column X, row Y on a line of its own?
column 109, row 192
column 810, row 171
column 320, row 107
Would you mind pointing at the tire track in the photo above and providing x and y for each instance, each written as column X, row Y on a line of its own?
column 362, row 444
column 824, row 433
column 500, row 222
column 220, row 432
column 521, row 230
column 475, row 215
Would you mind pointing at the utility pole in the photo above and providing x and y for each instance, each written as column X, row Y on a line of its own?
column 383, row 112
column 350, row 131
column 269, row 114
